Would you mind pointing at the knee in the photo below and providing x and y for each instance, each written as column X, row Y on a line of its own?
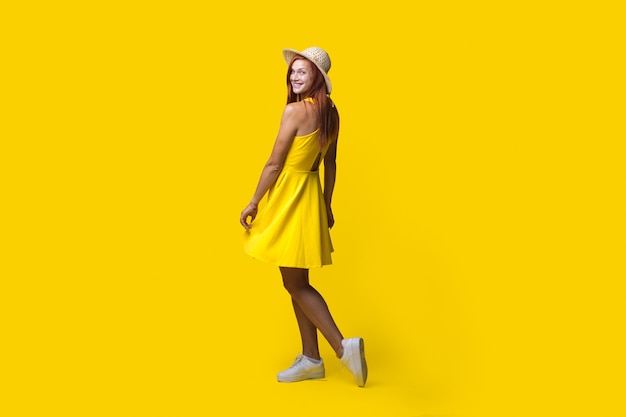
column 295, row 280
column 295, row 287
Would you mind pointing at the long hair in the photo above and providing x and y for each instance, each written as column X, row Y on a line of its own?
column 327, row 114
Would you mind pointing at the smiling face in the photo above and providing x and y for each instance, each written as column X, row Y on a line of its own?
column 301, row 76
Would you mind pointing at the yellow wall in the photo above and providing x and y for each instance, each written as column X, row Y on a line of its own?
column 479, row 217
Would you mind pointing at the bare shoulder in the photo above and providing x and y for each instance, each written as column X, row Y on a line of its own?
column 296, row 110
column 300, row 116
column 294, row 117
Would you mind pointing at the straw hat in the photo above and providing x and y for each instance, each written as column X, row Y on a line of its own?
column 317, row 56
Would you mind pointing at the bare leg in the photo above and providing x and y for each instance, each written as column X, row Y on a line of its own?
column 308, row 333
column 311, row 312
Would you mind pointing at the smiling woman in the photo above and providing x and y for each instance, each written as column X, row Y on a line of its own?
column 292, row 231
column 301, row 76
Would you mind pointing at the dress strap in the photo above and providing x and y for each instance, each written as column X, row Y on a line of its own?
column 311, row 100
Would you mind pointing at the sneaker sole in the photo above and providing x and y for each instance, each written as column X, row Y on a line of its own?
column 317, row 375
column 360, row 365
column 363, row 377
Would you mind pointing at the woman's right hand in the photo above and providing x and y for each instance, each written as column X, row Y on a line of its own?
column 250, row 211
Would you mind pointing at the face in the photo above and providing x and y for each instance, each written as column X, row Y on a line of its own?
column 301, row 76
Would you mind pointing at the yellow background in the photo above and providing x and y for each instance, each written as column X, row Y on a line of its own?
column 479, row 206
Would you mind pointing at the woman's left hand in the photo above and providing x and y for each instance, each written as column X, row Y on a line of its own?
column 331, row 217
column 250, row 211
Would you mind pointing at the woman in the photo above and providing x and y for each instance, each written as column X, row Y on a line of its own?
column 292, row 230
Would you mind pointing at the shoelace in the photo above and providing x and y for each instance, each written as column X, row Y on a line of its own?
column 297, row 363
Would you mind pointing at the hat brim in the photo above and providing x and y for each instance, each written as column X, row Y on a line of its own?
column 288, row 54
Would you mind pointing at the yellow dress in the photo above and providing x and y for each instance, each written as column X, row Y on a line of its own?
column 291, row 229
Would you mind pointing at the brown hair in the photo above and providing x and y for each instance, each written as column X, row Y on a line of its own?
column 327, row 114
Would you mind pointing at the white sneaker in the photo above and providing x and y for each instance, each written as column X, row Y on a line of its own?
column 303, row 368
column 354, row 359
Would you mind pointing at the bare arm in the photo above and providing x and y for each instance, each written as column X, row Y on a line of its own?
column 330, row 174
column 288, row 127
